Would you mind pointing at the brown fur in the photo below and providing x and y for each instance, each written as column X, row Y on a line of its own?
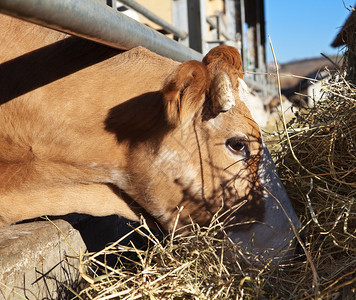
column 227, row 59
column 185, row 91
column 85, row 128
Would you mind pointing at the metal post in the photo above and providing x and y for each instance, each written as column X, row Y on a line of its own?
column 180, row 17
column 230, row 8
column 196, row 25
column 203, row 26
column 96, row 21
column 260, row 63
column 243, row 33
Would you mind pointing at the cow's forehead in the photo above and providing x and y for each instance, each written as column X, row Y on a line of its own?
column 238, row 119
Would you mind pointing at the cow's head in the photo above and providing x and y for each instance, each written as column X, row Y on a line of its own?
column 206, row 152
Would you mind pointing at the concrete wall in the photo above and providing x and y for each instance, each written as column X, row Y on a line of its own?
column 34, row 256
column 33, row 260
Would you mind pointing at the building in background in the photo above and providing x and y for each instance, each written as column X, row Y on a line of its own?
column 347, row 31
column 208, row 23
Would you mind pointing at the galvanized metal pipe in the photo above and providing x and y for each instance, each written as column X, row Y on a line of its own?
column 154, row 18
column 93, row 20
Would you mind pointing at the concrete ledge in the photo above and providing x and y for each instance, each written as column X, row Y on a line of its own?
column 33, row 262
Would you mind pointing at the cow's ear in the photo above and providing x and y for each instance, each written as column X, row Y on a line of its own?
column 227, row 59
column 225, row 68
column 185, row 91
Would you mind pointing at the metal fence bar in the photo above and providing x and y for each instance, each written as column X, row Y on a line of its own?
column 154, row 18
column 243, row 33
column 196, row 27
column 93, row 20
column 180, row 17
column 213, row 24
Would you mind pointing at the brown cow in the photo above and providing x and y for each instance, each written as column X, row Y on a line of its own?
column 89, row 129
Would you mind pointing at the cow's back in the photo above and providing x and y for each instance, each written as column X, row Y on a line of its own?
column 56, row 92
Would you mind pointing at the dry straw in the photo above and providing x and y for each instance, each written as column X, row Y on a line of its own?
column 182, row 266
column 317, row 163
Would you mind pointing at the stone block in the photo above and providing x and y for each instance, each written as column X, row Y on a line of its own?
column 34, row 262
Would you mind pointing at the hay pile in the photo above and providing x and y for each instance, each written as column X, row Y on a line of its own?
column 180, row 267
column 317, row 162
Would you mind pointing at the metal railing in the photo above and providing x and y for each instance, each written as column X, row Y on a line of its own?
column 98, row 22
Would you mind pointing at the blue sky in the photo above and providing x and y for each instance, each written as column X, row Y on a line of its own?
column 303, row 28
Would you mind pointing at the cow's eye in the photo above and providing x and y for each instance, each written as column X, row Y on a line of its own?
column 238, row 146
